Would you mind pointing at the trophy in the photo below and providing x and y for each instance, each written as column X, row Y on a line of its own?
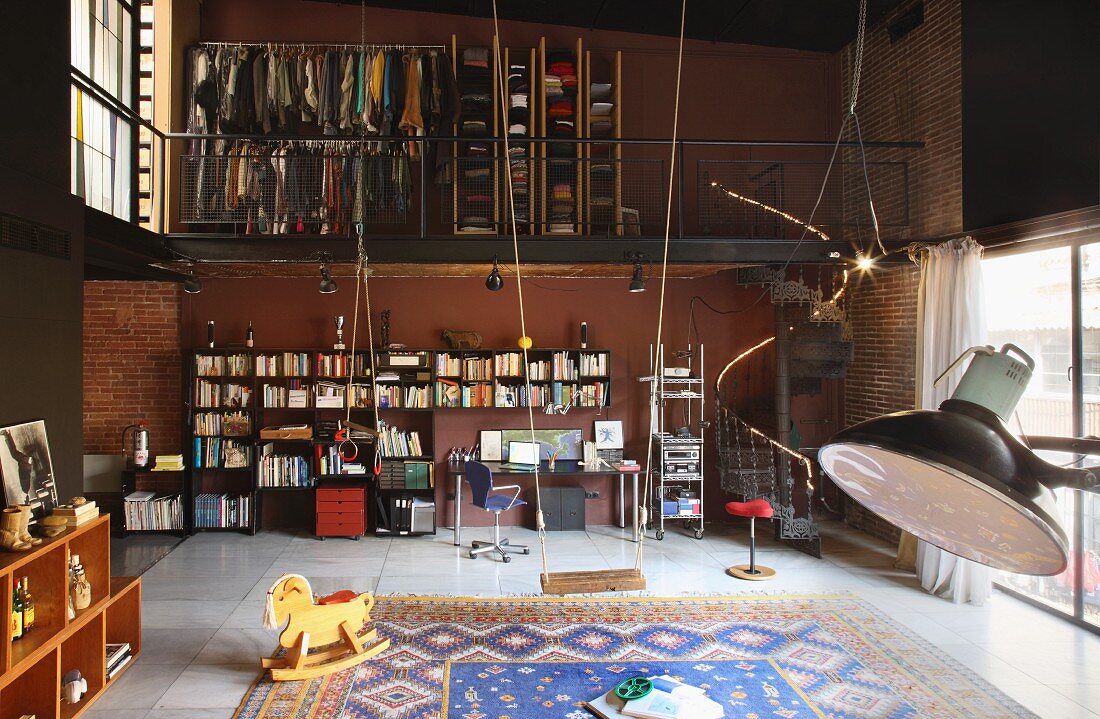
column 339, row 320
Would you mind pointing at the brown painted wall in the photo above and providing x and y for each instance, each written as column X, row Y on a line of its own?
column 291, row 313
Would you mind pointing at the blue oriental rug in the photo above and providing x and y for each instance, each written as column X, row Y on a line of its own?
column 760, row 657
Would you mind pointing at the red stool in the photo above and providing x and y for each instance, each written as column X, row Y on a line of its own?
column 753, row 509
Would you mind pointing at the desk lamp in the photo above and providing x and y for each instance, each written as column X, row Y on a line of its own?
column 958, row 479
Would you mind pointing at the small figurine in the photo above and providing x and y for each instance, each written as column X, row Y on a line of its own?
column 385, row 328
column 73, row 687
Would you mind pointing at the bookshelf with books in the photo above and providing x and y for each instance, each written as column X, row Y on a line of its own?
column 32, row 664
column 155, row 501
column 239, row 480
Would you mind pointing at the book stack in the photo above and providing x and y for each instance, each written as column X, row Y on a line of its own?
column 143, row 512
column 669, row 699
column 169, row 463
column 76, row 515
column 118, row 656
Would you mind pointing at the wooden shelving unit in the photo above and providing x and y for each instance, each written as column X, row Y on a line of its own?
column 603, row 185
column 558, row 173
column 466, row 186
column 31, row 668
column 525, row 58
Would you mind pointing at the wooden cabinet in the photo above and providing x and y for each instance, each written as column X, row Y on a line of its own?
column 31, row 668
column 341, row 510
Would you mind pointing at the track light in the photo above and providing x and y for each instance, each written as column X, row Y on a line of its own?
column 494, row 282
column 192, row 285
column 637, row 282
column 328, row 286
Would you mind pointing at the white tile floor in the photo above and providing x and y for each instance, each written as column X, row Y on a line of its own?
column 202, row 606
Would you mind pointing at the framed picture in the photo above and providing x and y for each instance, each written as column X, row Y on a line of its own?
column 26, row 468
column 490, row 445
column 609, row 434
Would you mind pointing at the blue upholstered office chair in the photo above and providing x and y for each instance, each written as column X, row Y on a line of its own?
column 481, row 485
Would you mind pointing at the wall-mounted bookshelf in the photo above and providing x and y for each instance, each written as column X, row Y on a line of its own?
column 234, row 471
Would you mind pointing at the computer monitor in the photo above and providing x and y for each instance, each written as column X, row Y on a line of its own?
column 523, row 453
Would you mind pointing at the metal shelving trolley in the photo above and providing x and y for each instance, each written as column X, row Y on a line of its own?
column 677, row 396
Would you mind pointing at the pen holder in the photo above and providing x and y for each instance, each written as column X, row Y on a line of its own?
column 550, row 464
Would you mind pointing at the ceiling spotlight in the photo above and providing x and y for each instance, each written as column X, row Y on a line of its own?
column 864, row 262
column 328, row 285
column 192, row 285
column 637, row 282
column 494, row 282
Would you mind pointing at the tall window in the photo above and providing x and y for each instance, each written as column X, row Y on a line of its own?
column 1031, row 302
column 102, row 102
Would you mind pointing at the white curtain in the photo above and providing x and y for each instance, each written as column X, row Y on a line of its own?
column 950, row 319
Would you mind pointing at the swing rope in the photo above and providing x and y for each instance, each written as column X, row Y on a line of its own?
column 502, row 84
column 643, row 505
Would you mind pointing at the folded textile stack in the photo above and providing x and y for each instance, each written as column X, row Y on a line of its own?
column 519, row 156
column 475, row 163
column 561, row 119
column 601, row 124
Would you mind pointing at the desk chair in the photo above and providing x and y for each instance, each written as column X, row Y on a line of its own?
column 481, row 485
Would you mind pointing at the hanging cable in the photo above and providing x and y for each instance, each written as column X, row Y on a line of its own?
column 657, row 358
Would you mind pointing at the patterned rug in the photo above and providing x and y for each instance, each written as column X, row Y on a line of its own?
column 783, row 656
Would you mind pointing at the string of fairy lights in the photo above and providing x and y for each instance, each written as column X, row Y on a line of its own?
column 768, row 208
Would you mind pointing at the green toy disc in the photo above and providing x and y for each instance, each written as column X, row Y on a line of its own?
column 633, row 688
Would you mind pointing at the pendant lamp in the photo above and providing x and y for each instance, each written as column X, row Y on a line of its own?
column 957, row 478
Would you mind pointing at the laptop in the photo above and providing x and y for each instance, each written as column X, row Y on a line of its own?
column 522, row 455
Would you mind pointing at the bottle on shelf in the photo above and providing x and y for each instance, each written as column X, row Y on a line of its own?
column 80, row 589
column 16, row 614
column 248, row 335
column 28, row 607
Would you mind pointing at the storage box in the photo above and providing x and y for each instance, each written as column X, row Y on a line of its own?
column 669, row 508
column 298, row 398
column 329, row 402
column 286, row 433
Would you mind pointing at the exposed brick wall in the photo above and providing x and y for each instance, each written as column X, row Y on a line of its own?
column 132, row 364
column 910, row 90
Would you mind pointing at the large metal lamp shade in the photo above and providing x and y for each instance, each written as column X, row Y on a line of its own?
column 958, row 479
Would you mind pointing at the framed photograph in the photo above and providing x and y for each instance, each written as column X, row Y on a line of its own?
column 609, row 434
column 26, row 469
column 490, row 445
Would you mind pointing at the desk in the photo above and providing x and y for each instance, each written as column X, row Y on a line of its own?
column 562, row 468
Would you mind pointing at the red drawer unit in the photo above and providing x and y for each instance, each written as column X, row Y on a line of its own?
column 341, row 510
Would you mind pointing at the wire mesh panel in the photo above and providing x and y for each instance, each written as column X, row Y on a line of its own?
column 623, row 197
column 295, row 187
column 774, row 199
column 472, row 203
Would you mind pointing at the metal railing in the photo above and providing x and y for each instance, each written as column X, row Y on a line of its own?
column 234, row 185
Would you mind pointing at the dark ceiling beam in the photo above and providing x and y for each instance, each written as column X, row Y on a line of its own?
column 532, row 249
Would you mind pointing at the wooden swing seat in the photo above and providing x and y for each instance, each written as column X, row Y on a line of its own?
column 592, row 582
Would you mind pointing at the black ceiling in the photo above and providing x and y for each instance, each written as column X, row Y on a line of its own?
column 819, row 25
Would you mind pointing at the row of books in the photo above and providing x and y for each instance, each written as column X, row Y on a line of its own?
column 233, row 424
column 215, row 394
column 410, row 397
column 145, row 511
column 223, row 511
column 397, row 443
column 594, row 394
column 563, row 366
column 594, row 364
column 117, row 656
column 221, row 453
column 223, row 365
column 283, row 364
column 447, row 365
column 282, row 470
column 329, row 461
column 516, row 395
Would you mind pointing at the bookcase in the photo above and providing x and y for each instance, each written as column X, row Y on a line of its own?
column 31, row 668
column 167, row 512
column 235, row 471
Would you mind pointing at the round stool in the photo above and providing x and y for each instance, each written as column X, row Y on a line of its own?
column 752, row 509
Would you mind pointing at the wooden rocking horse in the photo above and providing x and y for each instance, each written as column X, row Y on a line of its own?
column 332, row 625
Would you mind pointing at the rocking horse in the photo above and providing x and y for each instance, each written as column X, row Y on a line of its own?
column 333, row 625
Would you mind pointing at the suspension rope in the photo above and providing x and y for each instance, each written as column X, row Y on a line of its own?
column 540, row 524
column 657, row 358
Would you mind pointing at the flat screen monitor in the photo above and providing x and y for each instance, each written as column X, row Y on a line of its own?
column 523, row 453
